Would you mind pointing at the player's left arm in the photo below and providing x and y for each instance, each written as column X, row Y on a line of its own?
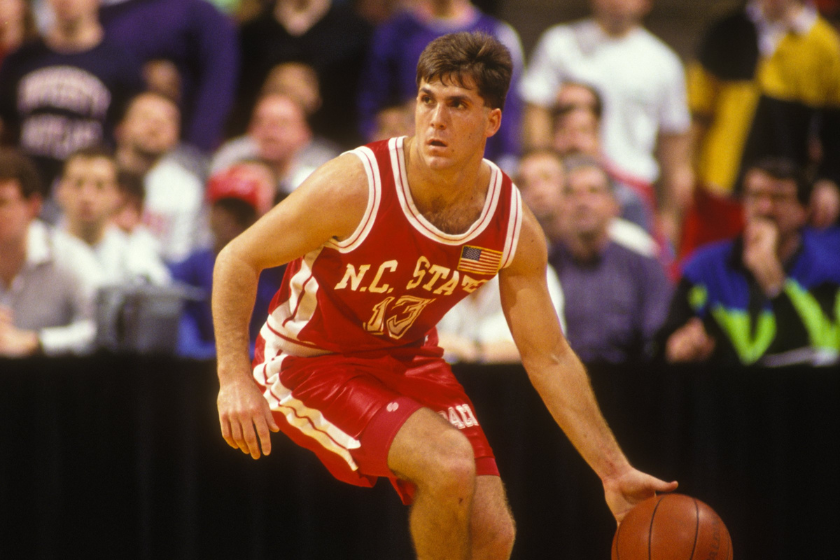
column 559, row 377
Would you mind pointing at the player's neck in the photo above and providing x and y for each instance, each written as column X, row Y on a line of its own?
column 451, row 199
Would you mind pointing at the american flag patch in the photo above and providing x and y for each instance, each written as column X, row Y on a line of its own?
column 479, row 260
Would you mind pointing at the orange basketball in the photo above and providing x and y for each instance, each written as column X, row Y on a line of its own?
column 672, row 527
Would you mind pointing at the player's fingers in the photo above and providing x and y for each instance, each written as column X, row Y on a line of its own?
column 238, row 437
column 264, row 435
column 226, row 432
column 252, row 446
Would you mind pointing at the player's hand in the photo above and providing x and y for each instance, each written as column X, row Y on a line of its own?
column 245, row 416
column 631, row 487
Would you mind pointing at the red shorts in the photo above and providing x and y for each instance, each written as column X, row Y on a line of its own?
column 347, row 409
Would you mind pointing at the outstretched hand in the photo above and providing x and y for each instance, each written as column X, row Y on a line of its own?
column 245, row 416
column 631, row 487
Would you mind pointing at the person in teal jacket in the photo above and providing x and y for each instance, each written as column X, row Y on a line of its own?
column 769, row 297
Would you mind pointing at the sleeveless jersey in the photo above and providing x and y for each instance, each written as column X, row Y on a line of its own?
column 394, row 278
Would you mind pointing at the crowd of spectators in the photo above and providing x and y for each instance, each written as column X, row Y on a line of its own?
column 690, row 207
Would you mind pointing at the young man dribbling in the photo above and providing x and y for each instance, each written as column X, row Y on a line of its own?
column 382, row 242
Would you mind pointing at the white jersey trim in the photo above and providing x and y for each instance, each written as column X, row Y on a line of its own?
column 309, row 421
column 514, row 227
column 291, row 316
column 368, row 160
column 424, row 226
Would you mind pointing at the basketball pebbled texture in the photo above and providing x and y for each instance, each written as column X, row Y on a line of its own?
column 672, row 527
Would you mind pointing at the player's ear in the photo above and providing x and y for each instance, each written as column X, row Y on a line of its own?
column 494, row 121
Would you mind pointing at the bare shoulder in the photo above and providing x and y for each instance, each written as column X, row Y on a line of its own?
column 336, row 195
column 532, row 251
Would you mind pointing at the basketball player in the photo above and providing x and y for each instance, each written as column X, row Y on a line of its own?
column 382, row 242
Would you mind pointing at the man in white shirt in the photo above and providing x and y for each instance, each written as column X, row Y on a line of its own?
column 89, row 195
column 646, row 121
column 48, row 279
column 147, row 143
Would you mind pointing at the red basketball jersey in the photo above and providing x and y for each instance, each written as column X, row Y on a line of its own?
column 389, row 283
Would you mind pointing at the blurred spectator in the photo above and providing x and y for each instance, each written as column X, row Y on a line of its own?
column 237, row 197
column 767, row 83
column 280, row 137
column 88, row 192
column 767, row 297
column 147, row 144
column 541, row 178
column 616, row 298
column 65, row 91
column 393, row 121
column 16, row 25
column 476, row 331
column 129, row 215
column 577, row 131
column 328, row 36
column 646, row 121
column 48, row 279
column 193, row 43
column 389, row 77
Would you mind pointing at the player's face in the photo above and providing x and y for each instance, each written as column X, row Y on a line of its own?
column 452, row 123
column 15, row 213
column 588, row 202
column 768, row 198
column 88, row 190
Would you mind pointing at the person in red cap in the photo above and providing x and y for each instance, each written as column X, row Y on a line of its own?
column 237, row 197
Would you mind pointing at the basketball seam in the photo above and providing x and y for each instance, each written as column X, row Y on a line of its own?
column 650, row 529
column 696, row 528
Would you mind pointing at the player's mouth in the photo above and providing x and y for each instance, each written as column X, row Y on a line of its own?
column 436, row 143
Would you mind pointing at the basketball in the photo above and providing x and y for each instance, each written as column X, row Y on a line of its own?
column 672, row 527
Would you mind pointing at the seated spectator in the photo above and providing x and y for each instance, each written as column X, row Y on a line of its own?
column 279, row 136
column 577, row 131
column 389, row 74
column 48, row 279
column 238, row 196
column 476, row 331
column 616, row 298
column 64, row 92
column 393, row 121
column 764, row 83
column 768, row 297
column 541, row 179
column 147, row 144
column 88, row 193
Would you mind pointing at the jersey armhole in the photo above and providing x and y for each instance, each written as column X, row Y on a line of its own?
column 368, row 159
column 514, row 228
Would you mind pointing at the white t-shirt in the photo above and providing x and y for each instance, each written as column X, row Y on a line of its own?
column 640, row 79
column 174, row 209
column 123, row 260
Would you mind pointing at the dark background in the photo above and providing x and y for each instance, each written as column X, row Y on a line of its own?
column 121, row 457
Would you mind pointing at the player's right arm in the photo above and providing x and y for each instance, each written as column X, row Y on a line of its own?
column 329, row 204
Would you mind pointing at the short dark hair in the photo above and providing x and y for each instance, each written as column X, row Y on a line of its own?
column 784, row 169
column 91, row 152
column 582, row 161
column 243, row 213
column 476, row 55
column 16, row 166
column 597, row 107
